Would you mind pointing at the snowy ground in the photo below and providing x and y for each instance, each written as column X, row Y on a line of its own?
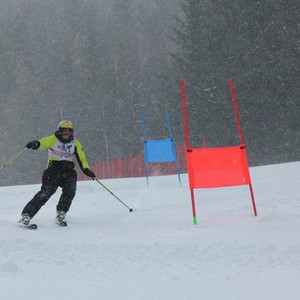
column 156, row 252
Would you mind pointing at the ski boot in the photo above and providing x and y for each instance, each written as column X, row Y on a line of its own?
column 60, row 216
column 25, row 219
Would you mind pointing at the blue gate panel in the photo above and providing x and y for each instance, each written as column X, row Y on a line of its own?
column 159, row 151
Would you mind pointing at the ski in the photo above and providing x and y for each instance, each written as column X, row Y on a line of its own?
column 32, row 226
column 62, row 223
column 29, row 226
column 35, row 226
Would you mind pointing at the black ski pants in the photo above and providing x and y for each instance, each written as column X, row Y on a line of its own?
column 57, row 175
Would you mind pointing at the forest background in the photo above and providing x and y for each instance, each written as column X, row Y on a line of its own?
column 102, row 63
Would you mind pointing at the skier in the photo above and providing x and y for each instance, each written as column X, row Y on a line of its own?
column 62, row 150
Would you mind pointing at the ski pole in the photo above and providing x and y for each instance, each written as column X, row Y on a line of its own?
column 130, row 209
column 13, row 158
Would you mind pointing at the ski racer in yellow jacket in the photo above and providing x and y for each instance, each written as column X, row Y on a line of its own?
column 63, row 151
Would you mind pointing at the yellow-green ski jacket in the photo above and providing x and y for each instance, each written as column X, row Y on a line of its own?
column 59, row 151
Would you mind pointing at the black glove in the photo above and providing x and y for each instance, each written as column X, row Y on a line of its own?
column 88, row 173
column 34, row 145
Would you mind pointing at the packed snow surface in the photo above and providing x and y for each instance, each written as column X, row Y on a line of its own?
column 155, row 252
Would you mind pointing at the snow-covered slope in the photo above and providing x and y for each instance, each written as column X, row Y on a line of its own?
column 156, row 252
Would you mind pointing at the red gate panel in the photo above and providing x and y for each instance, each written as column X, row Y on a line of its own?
column 217, row 167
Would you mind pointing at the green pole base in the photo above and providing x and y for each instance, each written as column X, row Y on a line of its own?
column 195, row 220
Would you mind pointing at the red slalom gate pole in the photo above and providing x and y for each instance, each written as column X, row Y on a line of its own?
column 242, row 141
column 236, row 111
column 187, row 141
